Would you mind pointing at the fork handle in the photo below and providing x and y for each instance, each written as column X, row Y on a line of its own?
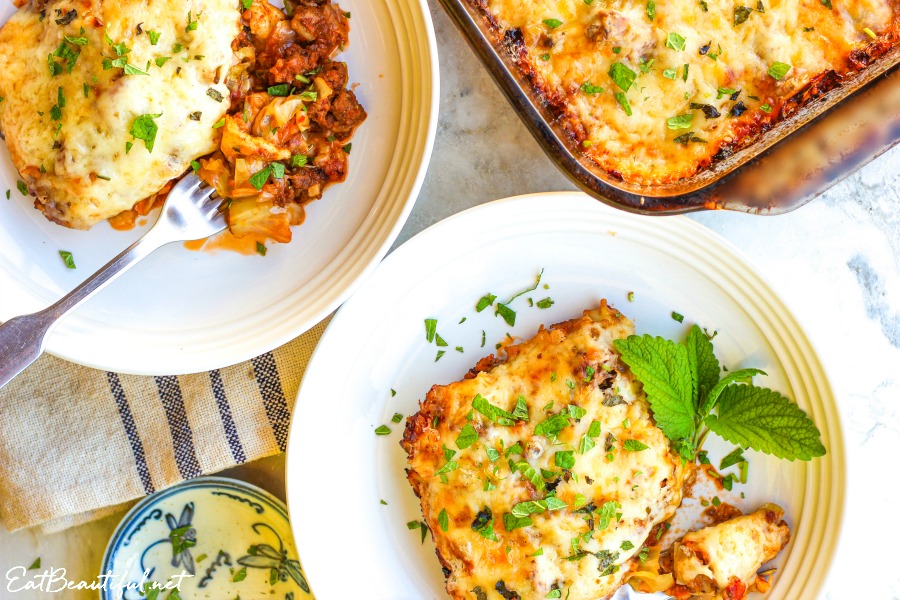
column 22, row 338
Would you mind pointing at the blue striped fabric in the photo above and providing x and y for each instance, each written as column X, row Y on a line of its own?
column 137, row 448
column 231, row 434
column 182, row 437
column 270, row 389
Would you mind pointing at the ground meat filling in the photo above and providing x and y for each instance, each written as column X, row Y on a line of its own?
column 291, row 113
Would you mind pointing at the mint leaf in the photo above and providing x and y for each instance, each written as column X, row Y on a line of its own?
column 513, row 522
column 530, row 474
column 529, row 507
column 552, row 426
column 766, row 421
column 494, row 413
column 467, row 437
column 663, row 368
column 705, row 368
column 716, row 391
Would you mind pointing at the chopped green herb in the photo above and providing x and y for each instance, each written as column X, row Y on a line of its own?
column 651, row 9
column 622, row 76
column 589, row 88
column 383, row 430
column 467, row 437
column 634, row 445
column 552, row 23
column 444, row 520
column 680, row 122
column 675, row 41
column 623, row 102
column 145, row 128
column 741, row 14
column 778, row 70
column 192, row 23
column 564, row 459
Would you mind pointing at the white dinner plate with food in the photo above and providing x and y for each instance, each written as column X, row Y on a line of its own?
column 185, row 310
column 375, row 364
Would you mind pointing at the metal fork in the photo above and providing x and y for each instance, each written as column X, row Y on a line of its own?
column 190, row 213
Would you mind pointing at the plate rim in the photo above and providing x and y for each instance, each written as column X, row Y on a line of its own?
column 428, row 92
column 811, row 575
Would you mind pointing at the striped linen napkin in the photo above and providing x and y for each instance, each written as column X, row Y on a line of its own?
column 76, row 444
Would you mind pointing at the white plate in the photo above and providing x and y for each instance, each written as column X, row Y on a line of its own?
column 376, row 343
column 184, row 311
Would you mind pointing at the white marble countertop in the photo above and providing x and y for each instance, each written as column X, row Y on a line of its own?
column 835, row 263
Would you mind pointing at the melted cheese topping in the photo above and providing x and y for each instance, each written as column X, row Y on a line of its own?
column 73, row 157
column 735, row 549
column 629, row 469
column 684, row 55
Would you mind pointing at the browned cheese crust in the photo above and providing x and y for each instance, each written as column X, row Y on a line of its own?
column 598, row 484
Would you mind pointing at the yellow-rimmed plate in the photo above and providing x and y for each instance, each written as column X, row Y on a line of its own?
column 376, row 343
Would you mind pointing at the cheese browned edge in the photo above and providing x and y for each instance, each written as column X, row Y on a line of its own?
column 570, row 364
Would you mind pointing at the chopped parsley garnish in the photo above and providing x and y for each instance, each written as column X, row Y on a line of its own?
column 161, row 60
column 154, row 37
column 145, row 128
column 246, row 4
column 443, row 519
column 675, row 41
column 677, row 317
column 778, row 70
column 67, row 258
column 298, row 160
column 651, row 9
column 215, row 94
column 766, row 107
column 383, row 430
column 396, row 418
column 261, row 249
column 545, row 303
column 219, row 124
column 645, row 65
column 827, row 4
column 552, row 23
column 589, row 88
column 670, row 73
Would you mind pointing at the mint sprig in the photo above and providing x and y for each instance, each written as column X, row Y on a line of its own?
column 689, row 399
column 766, row 421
